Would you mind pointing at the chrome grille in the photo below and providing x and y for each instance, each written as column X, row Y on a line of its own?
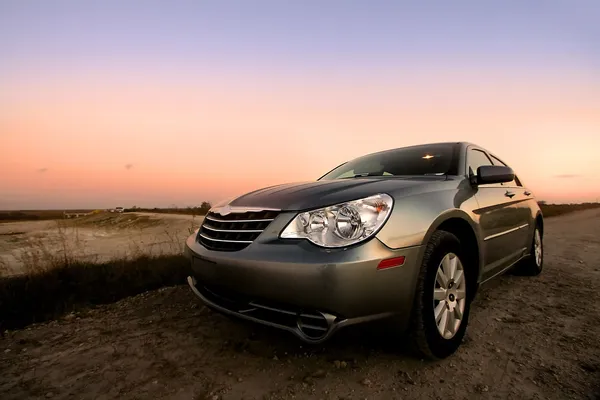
column 234, row 231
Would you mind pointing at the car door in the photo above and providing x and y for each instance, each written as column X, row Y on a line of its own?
column 520, row 201
column 499, row 220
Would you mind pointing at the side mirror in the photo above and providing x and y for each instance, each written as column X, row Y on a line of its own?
column 494, row 174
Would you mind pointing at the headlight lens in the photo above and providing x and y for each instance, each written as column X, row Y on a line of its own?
column 341, row 224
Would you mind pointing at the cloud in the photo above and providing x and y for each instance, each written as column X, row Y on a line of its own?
column 42, row 170
column 567, row 176
column 128, row 166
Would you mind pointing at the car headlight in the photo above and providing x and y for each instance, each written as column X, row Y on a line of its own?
column 342, row 224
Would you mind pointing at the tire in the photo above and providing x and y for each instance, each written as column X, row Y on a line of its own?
column 424, row 330
column 532, row 265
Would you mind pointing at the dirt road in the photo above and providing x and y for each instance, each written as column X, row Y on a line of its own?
column 530, row 338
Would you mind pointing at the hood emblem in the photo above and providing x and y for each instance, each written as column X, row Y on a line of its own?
column 225, row 210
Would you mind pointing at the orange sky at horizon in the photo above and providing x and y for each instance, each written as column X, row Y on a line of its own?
column 113, row 103
column 65, row 143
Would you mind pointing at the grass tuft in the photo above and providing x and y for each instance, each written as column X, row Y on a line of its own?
column 46, row 294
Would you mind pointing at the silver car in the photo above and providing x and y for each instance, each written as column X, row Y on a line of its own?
column 407, row 234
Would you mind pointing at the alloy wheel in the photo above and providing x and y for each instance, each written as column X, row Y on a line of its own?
column 449, row 295
column 537, row 248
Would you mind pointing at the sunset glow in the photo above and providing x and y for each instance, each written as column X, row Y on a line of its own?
column 152, row 106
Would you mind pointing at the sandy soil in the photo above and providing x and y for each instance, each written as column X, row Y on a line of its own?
column 533, row 338
column 94, row 238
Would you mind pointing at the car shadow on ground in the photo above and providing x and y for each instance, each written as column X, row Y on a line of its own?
column 357, row 343
column 353, row 344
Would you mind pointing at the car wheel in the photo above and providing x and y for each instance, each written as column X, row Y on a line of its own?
column 533, row 265
column 442, row 301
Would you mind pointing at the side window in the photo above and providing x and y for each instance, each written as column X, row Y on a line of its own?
column 515, row 182
column 476, row 159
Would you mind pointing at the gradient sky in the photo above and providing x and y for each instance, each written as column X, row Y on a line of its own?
column 153, row 103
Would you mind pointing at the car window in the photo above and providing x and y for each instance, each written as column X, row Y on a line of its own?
column 434, row 159
column 476, row 159
column 514, row 182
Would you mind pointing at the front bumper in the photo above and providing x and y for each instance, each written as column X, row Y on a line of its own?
column 299, row 287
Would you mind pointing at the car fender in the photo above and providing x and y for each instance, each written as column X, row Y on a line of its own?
column 415, row 218
column 453, row 214
column 536, row 213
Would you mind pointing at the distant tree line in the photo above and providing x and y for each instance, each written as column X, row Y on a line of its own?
column 552, row 210
column 202, row 209
column 30, row 215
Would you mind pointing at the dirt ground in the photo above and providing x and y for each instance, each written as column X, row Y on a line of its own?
column 528, row 338
column 93, row 238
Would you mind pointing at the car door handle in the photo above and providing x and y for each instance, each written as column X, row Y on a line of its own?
column 509, row 194
column 527, row 193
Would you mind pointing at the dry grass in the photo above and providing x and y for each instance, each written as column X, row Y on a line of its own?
column 65, row 244
column 46, row 294
column 200, row 210
column 107, row 220
column 32, row 215
column 59, row 275
column 553, row 210
column 43, row 215
column 43, row 253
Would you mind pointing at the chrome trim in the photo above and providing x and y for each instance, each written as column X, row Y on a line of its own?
column 240, row 220
column 507, row 268
column 232, row 230
column 310, row 316
column 216, row 228
column 279, row 310
column 225, row 241
column 315, row 327
column 505, row 232
column 238, row 209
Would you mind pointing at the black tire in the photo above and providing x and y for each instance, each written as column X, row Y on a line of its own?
column 530, row 266
column 423, row 329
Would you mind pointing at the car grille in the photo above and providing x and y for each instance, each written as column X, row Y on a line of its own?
column 235, row 231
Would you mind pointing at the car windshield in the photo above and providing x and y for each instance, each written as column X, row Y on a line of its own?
column 435, row 159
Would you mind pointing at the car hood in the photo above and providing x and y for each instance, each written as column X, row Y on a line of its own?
column 307, row 195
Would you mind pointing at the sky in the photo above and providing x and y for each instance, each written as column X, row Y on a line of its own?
column 158, row 103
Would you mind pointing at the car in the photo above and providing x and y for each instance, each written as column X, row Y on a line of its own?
column 407, row 235
column 119, row 209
